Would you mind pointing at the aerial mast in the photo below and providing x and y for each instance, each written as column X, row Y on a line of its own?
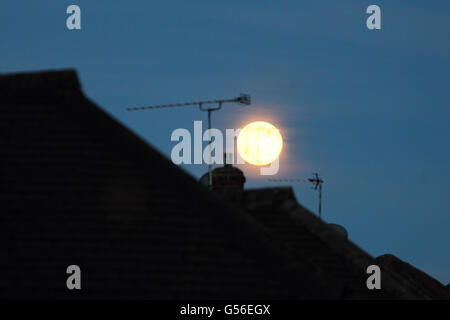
column 243, row 99
column 318, row 186
column 316, row 180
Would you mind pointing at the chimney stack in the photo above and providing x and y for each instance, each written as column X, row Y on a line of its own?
column 227, row 180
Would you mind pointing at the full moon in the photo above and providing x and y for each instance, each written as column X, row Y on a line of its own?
column 259, row 143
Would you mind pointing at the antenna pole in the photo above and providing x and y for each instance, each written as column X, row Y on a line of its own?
column 320, row 200
column 210, row 178
column 210, row 162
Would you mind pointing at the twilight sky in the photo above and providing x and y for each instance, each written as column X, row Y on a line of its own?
column 369, row 110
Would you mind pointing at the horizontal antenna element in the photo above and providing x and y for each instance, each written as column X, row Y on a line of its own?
column 242, row 99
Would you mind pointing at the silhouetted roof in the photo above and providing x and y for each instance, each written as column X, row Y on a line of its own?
column 77, row 187
column 429, row 286
column 332, row 256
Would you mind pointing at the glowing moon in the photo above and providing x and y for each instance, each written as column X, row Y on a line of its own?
column 259, row 143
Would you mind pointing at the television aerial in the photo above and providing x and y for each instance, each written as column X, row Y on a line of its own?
column 243, row 99
column 317, row 185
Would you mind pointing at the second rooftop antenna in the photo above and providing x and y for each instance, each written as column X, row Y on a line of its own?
column 317, row 186
column 316, row 180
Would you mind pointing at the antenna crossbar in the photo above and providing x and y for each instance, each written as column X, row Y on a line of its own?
column 242, row 99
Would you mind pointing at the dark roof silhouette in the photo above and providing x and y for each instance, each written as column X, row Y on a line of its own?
column 429, row 286
column 77, row 187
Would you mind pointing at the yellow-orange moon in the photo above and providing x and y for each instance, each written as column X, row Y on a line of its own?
column 259, row 143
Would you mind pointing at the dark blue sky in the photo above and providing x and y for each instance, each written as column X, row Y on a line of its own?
column 367, row 109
